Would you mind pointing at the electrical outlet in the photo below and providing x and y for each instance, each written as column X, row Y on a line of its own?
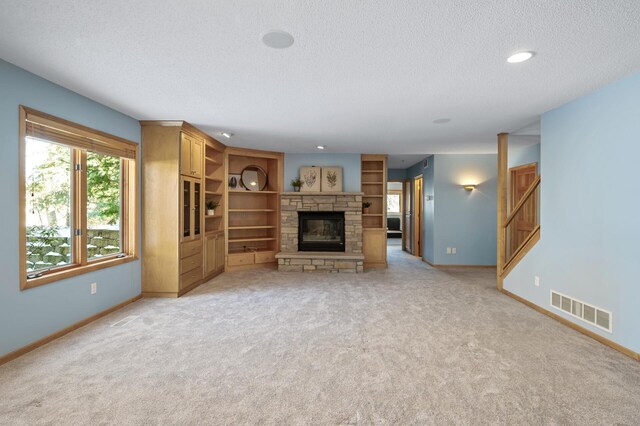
column 94, row 288
column 448, row 250
column 536, row 281
column 454, row 250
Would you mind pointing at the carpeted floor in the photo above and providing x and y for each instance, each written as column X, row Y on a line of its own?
column 409, row 345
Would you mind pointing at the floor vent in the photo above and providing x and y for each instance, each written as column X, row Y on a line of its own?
column 125, row 321
column 588, row 313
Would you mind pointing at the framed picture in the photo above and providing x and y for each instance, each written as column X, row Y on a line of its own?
column 310, row 176
column 234, row 181
column 331, row 179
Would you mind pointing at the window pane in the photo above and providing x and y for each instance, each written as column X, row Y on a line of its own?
column 48, row 204
column 393, row 203
column 104, row 235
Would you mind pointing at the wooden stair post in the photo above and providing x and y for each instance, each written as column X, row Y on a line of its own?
column 503, row 139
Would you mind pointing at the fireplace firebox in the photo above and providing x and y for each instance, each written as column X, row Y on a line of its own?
column 321, row 231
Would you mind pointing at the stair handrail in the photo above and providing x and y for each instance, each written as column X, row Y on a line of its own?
column 525, row 197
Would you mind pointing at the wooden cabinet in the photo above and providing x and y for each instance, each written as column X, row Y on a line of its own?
column 214, row 254
column 374, row 247
column 374, row 221
column 253, row 217
column 182, row 169
column 191, row 202
column 190, row 155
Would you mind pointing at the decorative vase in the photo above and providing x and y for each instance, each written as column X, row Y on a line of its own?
column 296, row 189
column 365, row 210
column 211, row 212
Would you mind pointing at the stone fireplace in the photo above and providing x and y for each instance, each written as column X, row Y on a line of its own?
column 321, row 232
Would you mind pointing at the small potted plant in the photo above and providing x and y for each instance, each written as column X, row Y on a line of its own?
column 211, row 207
column 296, row 184
column 365, row 207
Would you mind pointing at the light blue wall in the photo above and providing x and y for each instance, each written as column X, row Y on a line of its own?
column 464, row 219
column 350, row 164
column 524, row 155
column 455, row 217
column 396, row 174
column 26, row 316
column 589, row 219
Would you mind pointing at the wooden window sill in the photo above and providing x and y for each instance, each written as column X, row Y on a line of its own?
column 73, row 271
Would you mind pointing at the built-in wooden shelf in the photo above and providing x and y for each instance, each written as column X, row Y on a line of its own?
column 231, row 228
column 372, row 196
column 210, row 179
column 372, row 171
column 213, row 160
column 242, row 250
column 246, row 240
column 240, row 191
column 371, row 214
column 212, row 193
column 212, row 217
column 251, row 210
column 373, row 183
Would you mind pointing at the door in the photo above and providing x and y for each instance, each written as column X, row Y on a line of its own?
column 417, row 216
column 520, row 181
column 407, row 226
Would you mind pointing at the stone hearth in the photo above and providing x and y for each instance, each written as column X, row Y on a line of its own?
column 292, row 260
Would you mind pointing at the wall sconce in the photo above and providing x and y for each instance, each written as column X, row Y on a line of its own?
column 469, row 187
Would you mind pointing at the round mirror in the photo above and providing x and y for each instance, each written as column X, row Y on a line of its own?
column 254, row 178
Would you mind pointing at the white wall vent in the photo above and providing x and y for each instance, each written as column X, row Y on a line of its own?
column 588, row 313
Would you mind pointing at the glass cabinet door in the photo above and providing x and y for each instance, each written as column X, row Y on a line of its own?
column 196, row 208
column 186, row 209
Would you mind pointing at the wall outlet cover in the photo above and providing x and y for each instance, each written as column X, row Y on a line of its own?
column 94, row 288
column 454, row 250
column 448, row 250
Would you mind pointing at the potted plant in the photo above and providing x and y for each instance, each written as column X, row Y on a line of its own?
column 365, row 207
column 296, row 184
column 211, row 207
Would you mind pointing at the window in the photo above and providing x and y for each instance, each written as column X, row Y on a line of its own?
column 78, row 199
column 394, row 202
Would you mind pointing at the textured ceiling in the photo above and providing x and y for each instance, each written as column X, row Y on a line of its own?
column 362, row 76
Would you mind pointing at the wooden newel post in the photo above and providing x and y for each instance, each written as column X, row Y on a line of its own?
column 503, row 139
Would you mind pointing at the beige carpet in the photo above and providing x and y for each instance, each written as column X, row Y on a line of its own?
column 410, row 345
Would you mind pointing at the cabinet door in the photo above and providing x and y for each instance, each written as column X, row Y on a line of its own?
column 197, row 208
column 220, row 252
column 186, row 143
column 185, row 211
column 196, row 157
column 374, row 246
column 211, row 255
column 191, row 211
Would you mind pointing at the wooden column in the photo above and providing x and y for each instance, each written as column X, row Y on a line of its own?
column 503, row 139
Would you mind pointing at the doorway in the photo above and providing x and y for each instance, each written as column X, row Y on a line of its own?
column 395, row 231
column 520, row 180
column 417, row 216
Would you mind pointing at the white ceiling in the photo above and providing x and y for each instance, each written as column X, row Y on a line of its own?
column 362, row 76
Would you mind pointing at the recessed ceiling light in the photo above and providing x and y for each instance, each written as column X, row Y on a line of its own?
column 441, row 121
column 321, row 147
column 226, row 134
column 520, row 57
column 277, row 39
